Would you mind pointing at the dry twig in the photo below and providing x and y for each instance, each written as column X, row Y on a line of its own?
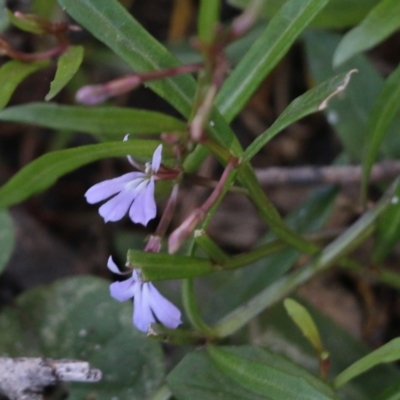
column 26, row 378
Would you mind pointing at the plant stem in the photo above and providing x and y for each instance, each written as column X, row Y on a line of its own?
column 342, row 245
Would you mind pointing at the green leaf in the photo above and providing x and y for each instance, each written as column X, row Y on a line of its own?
column 111, row 23
column 44, row 8
column 67, row 65
column 382, row 21
column 27, row 22
column 275, row 330
column 75, row 318
column 205, row 375
column 337, row 14
column 208, row 20
column 356, row 234
column 3, row 16
column 264, row 55
column 247, row 282
column 302, row 318
column 112, row 122
column 12, row 73
column 197, row 377
column 312, row 101
column 44, row 171
column 159, row 266
column 388, row 232
column 273, row 381
column 391, row 393
column 6, row 238
column 348, row 115
column 389, row 352
column 383, row 112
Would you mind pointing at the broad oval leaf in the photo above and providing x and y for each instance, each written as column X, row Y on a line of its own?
column 67, row 65
column 382, row 21
column 12, row 73
column 389, row 352
column 76, row 318
column 111, row 122
column 6, row 238
column 267, row 51
column 44, row 171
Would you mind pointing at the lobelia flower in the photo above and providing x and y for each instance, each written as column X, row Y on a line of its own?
column 132, row 192
column 149, row 304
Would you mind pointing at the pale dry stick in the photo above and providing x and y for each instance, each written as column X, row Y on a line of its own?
column 346, row 175
column 26, row 378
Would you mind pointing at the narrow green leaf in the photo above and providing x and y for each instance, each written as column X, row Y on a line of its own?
column 391, row 393
column 302, row 318
column 6, row 238
column 67, row 65
column 249, row 281
column 44, row 171
column 383, row 112
column 389, row 352
column 27, row 23
column 337, row 14
column 266, row 380
column 338, row 248
column 388, row 232
column 208, row 20
column 12, row 73
column 345, row 347
column 312, row 101
column 106, row 121
column 159, row 266
column 348, row 115
column 381, row 21
column 267, row 51
column 111, row 23
column 3, row 16
column 44, row 8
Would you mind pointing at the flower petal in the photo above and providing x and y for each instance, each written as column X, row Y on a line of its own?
column 113, row 267
column 108, row 188
column 142, row 315
column 166, row 312
column 115, row 208
column 124, row 290
column 144, row 207
column 156, row 161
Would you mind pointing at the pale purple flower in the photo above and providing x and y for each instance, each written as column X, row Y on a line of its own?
column 132, row 192
column 149, row 304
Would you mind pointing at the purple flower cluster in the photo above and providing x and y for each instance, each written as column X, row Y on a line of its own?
column 133, row 193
